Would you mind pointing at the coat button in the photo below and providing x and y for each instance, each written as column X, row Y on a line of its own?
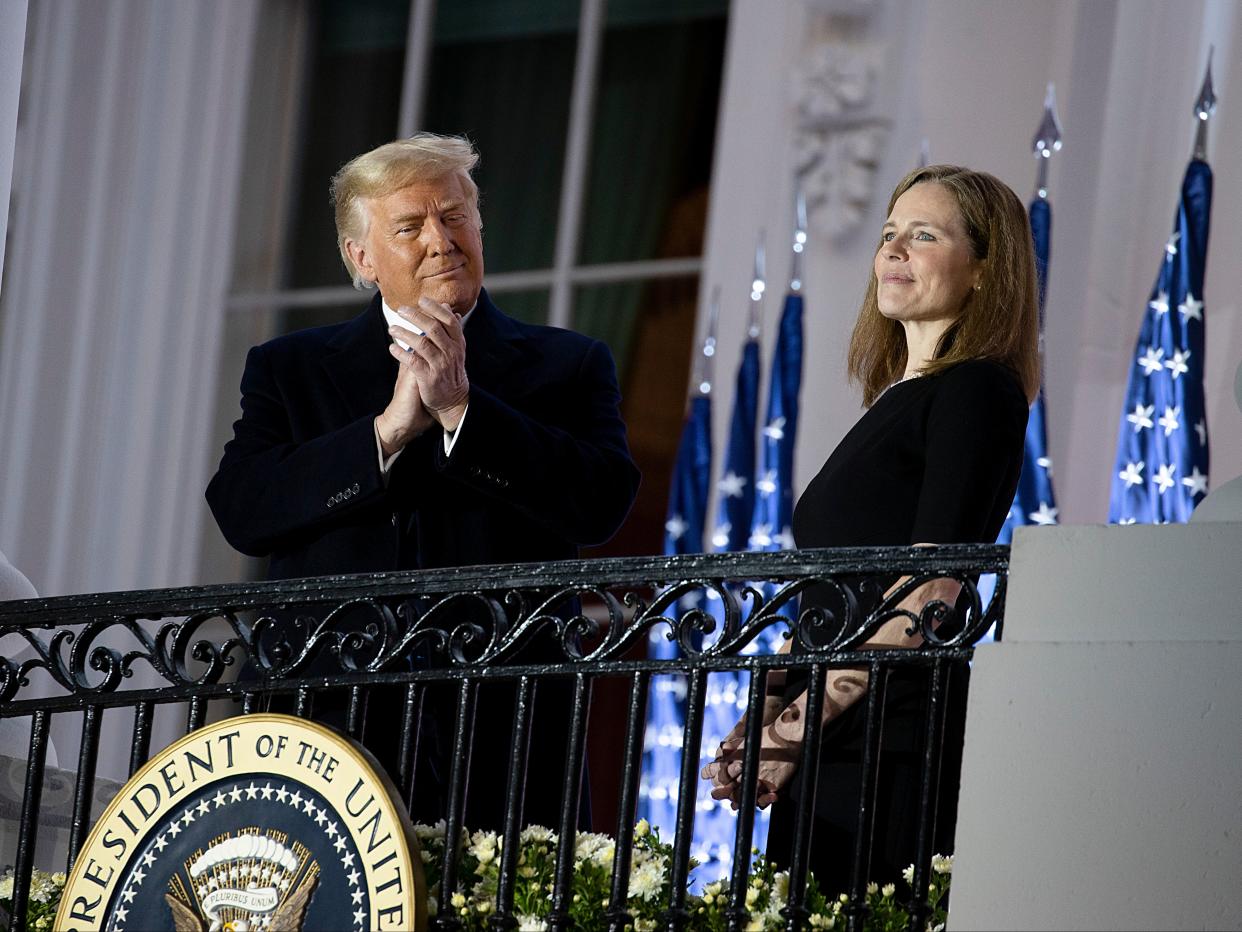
column 331, row 503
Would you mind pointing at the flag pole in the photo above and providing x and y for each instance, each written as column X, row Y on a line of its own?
column 758, row 285
column 1205, row 106
column 799, row 239
column 1047, row 141
column 705, row 361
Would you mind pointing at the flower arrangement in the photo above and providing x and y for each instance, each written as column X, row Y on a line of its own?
column 479, row 875
column 45, row 891
column 766, row 895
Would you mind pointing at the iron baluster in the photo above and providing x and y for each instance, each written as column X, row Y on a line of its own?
column 28, row 824
column 144, row 711
column 677, row 915
column 515, row 793
column 84, row 785
column 571, row 796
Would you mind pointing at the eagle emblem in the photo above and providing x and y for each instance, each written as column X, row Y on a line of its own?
column 253, row 881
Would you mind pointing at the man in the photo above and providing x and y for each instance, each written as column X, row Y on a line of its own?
column 429, row 431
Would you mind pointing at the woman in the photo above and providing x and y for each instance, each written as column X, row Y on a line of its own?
column 945, row 349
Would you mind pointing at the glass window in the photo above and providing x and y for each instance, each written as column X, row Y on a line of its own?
column 530, row 306
column 351, row 100
column 654, row 130
column 503, row 78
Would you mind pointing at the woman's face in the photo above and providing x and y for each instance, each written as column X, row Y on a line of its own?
column 925, row 267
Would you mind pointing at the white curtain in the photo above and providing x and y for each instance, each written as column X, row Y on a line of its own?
column 125, row 181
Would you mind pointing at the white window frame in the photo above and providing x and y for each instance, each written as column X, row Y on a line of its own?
column 565, row 273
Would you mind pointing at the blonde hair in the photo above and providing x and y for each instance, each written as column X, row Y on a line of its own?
column 420, row 158
column 1000, row 320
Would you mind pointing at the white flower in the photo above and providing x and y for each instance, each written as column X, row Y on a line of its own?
column 780, row 888
column 483, row 845
column 588, row 846
column 538, row 834
column 530, row 923
column 646, row 881
column 642, row 829
column 942, row 864
column 820, row 921
column 6, row 887
column 908, row 874
column 425, row 832
column 888, row 890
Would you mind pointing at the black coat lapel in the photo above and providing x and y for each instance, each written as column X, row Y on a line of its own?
column 494, row 346
column 359, row 365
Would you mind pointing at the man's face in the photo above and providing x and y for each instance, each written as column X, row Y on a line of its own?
column 422, row 242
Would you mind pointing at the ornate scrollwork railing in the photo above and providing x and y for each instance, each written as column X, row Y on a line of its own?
column 580, row 619
column 594, row 614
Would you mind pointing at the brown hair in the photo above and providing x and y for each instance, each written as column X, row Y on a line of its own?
column 1000, row 321
column 391, row 167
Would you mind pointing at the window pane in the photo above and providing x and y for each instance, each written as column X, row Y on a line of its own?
column 299, row 318
column 501, row 75
column 655, row 126
column 528, row 306
column 649, row 326
column 353, row 94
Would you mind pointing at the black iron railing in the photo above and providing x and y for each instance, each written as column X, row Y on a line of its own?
column 222, row 650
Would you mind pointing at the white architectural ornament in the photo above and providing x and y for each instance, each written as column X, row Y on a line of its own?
column 838, row 135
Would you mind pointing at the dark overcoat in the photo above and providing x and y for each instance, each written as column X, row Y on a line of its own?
column 540, row 466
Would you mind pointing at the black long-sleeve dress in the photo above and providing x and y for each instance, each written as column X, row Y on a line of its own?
column 935, row 459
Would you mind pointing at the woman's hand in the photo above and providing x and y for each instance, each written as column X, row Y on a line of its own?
column 780, row 743
column 732, row 746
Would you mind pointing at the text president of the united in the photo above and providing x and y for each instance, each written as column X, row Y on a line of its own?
column 363, row 446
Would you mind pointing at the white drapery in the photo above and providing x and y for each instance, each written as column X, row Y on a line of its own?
column 125, row 185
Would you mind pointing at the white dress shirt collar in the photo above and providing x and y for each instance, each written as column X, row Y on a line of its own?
column 393, row 319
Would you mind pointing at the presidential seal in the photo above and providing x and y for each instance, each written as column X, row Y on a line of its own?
column 257, row 823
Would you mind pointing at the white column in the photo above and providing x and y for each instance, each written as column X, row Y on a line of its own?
column 124, row 195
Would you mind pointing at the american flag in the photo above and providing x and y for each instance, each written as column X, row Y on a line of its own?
column 735, row 489
column 1034, row 502
column 1161, row 469
column 771, row 528
column 767, row 526
column 715, row 821
column 683, row 533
